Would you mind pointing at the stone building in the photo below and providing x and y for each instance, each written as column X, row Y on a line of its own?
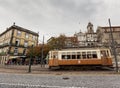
column 91, row 39
column 81, row 37
column 104, row 36
column 91, row 36
column 71, row 42
column 88, row 39
column 65, row 42
column 14, row 42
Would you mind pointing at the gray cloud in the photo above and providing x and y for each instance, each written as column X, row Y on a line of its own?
column 84, row 8
column 52, row 17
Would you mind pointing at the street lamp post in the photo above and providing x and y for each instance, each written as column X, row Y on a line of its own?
column 113, row 46
column 42, row 52
column 29, row 70
column 30, row 61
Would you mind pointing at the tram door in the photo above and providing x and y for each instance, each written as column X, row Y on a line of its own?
column 55, row 58
column 104, row 57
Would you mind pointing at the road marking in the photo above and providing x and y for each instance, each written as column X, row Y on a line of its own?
column 44, row 86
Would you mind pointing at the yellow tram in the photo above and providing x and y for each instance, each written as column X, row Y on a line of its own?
column 80, row 57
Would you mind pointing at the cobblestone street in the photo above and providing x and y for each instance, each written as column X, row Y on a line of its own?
column 18, row 77
column 58, row 81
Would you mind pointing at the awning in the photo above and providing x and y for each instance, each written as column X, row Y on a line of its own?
column 13, row 57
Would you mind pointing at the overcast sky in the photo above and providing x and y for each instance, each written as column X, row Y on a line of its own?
column 54, row 17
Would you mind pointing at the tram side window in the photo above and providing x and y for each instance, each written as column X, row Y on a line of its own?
column 68, row 56
column 64, row 55
column 89, row 55
column 84, row 55
column 73, row 55
column 53, row 56
column 94, row 54
column 78, row 55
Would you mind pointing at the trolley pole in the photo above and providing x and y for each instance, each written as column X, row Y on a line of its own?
column 113, row 47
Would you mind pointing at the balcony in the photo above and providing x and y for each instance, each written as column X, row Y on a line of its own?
column 16, row 54
column 4, row 45
column 20, row 45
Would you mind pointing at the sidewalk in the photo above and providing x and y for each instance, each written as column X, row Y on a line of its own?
column 37, row 69
column 23, row 69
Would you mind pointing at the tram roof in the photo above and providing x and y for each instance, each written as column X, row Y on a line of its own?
column 80, row 49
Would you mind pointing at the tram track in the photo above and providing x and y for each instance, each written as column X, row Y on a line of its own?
column 44, row 70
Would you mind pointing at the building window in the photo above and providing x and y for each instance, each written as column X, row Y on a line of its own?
column 33, row 37
column 18, row 33
column 16, row 51
column 24, row 52
column 17, row 42
column 119, row 34
column 26, row 35
column 26, row 44
column 33, row 44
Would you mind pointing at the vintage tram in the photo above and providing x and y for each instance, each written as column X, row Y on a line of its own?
column 80, row 57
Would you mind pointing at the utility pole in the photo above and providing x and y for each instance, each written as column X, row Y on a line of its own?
column 42, row 52
column 113, row 47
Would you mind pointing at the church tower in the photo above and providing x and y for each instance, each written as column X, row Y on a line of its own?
column 90, row 28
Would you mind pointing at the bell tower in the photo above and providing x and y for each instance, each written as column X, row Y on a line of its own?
column 90, row 28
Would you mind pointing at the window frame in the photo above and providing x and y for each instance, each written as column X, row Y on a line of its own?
column 26, row 35
column 19, row 33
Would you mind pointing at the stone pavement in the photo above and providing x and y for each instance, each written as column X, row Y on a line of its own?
column 14, row 76
column 58, row 81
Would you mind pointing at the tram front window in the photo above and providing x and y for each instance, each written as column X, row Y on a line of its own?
column 103, row 54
